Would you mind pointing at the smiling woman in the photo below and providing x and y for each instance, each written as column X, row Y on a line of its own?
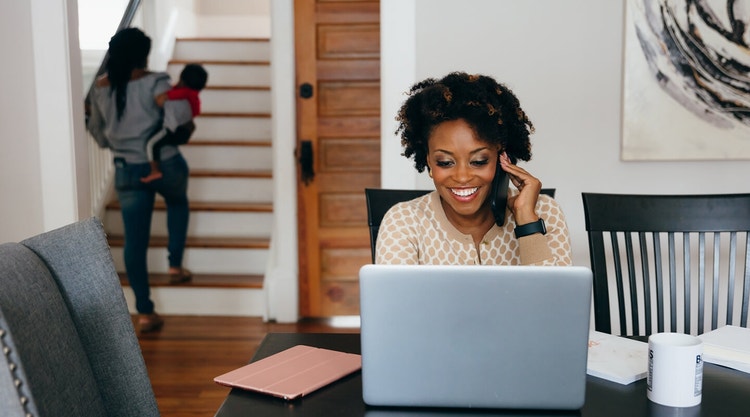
column 463, row 129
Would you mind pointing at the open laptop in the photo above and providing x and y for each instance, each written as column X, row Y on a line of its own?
column 510, row 337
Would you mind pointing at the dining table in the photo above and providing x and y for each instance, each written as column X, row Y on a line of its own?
column 726, row 393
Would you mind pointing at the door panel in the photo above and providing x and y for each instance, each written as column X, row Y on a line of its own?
column 349, row 99
column 338, row 54
column 350, row 154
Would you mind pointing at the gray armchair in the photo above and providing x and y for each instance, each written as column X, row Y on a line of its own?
column 69, row 347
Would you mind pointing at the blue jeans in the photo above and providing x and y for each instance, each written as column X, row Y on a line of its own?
column 137, row 203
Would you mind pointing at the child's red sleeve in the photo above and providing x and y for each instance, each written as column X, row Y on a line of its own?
column 178, row 94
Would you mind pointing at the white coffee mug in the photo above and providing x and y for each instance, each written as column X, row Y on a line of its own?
column 675, row 369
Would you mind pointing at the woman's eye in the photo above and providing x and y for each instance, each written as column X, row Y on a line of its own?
column 444, row 164
column 480, row 162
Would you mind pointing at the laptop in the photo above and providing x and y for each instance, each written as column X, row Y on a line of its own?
column 512, row 337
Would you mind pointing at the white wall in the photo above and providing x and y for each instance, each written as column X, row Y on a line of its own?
column 43, row 165
column 97, row 21
column 282, row 271
column 163, row 20
column 564, row 60
column 20, row 176
column 234, row 18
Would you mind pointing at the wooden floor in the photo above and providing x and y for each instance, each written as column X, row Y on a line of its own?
column 184, row 357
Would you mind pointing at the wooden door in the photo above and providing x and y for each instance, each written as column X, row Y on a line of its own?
column 338, row 147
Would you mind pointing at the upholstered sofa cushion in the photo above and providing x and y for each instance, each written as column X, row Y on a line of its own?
column 43, row 333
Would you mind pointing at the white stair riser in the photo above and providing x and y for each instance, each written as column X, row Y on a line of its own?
column 232, row 128
column 230, row 75
column 219, row 189
column 228, row 157
column 235, row 101
column 204, row 301
column 239, row 50
column 240, row 25
column 204, row 260
column 204, row 223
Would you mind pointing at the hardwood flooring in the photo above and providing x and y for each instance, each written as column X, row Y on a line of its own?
column 184, row 357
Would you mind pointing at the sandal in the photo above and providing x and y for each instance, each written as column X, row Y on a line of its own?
column 150, row 322
column 180, row 277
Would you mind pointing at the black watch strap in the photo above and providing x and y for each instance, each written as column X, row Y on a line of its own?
column 531, row 228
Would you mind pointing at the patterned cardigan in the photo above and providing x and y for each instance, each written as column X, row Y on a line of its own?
column 418, row 232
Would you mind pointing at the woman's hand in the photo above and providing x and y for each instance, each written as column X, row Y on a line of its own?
column 523, row 204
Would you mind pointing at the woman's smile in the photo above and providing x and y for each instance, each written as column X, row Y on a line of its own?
column 464, row 193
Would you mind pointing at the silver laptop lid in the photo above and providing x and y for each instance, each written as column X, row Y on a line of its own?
column 475, row 336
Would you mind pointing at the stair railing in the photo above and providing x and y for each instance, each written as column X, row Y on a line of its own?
column 101, row 168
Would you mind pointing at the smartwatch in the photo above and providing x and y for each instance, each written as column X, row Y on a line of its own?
column 531, row 228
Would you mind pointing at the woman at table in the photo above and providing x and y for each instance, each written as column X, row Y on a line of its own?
column 462, row 128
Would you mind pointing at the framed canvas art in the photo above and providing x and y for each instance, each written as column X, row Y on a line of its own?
column 686, row 89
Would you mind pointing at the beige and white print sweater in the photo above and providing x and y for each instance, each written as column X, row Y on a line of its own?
column 418, row 232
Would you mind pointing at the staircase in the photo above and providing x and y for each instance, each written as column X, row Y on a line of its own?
column 230, row 187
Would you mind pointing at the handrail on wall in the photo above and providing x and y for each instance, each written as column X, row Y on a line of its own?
column 100, row 161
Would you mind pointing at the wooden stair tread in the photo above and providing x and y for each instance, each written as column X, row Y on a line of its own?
column 239, row 87
column 216, row 39
column 250, row 143
column 210, row 206
column 226, row 206
column 231, row 173
column 203, row 281
column 218, row 62
column 203, row 242
column 227, row 114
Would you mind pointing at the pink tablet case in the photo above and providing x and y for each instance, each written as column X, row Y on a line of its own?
column 294, row 372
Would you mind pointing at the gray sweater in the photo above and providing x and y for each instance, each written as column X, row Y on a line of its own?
column 142, row 118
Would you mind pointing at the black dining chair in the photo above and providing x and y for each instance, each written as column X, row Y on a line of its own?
column 668, row 258
column 379, row 200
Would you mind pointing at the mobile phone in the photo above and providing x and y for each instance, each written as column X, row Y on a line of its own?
column 499, row 195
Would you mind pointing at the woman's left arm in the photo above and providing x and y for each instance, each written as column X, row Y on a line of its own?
column 557, row 238
column 95, row 122
column 552, row 248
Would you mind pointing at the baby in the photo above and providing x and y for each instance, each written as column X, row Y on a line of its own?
column 192, row 80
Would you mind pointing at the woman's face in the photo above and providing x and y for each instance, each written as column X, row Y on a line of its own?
column 462, row 168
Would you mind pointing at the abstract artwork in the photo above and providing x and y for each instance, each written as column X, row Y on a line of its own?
column 686, row 80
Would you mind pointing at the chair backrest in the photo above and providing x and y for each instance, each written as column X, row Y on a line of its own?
column 687, row 254
column 379, row 200
column 69, row 343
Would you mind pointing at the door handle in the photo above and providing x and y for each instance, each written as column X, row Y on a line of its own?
column 305, row 157
column 306, row 90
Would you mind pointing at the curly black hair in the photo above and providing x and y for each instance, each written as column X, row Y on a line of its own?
column 489, row 107
column 194, row 76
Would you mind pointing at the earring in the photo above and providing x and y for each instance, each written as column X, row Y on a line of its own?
column 429, row 172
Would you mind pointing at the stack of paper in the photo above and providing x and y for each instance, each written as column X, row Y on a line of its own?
column 616, row 358
column 728, row 346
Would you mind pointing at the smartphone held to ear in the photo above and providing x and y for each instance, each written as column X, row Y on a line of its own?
column 499, row 195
